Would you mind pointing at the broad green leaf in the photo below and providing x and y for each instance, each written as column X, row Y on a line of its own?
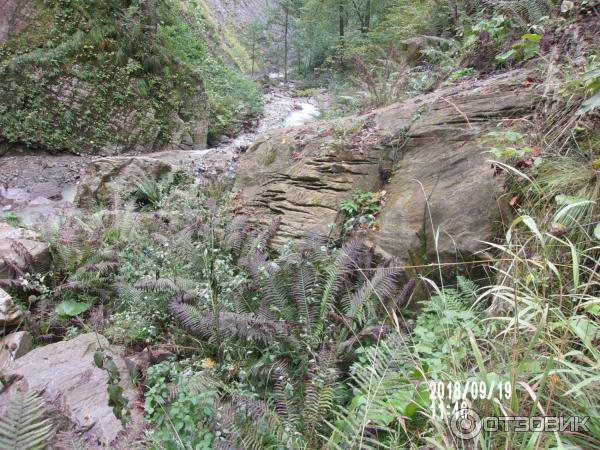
column 532, row 37
column 71, row 308
column 505, row 56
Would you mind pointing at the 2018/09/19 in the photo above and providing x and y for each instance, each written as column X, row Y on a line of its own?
column 476, row 390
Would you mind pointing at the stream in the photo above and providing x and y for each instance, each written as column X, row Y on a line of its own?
column 38, row 187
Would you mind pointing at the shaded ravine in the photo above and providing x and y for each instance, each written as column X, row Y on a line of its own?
column 37, row 186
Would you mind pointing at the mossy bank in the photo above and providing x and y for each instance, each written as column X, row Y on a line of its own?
column 114, row 76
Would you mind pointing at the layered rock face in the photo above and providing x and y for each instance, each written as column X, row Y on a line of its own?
column 442, row 183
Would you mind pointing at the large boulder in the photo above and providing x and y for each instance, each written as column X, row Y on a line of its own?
column 107, row 179
column 67, row 377
column 23, row 249
column 14, row 15
column 441, row 177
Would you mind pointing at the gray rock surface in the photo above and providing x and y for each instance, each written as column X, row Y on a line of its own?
column 23, row 248
column 10, row 315
column 14, row 346
column 66, row 375
column 13, row 16
column 106, row 179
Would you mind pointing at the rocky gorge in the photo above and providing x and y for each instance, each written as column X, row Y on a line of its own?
column 299, row 174
column 198, row 252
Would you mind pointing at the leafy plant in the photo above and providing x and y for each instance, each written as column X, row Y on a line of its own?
column 13, row 219
column 361, row 209
column 71, row 308
column 149, row 193
column 525, row 49
column 461, row 73
column 116, row 400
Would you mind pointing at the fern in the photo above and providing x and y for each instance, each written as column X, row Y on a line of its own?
column 378, row 384
column 23, row 426
column 381, row 288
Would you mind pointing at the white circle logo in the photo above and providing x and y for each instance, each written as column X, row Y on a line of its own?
column 465, row 424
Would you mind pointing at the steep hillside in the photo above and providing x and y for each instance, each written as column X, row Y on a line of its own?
column 108, row 77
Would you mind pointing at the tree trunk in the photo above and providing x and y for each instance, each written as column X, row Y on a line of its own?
column 341, row 13
column 367, row 21
column 150, row 10
column 253, row 54
column 285, row 44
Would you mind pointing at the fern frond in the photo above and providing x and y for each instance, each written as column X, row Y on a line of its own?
column 196, row 383
column 232, row 325
column 376, row 381
column 377, row 290
column 23, row 425
column 337, row 275
column 165, row 285
column 303, row 292
column 25, row 255
column 249, row 422
column 66, row 440
column 236, row 233
column 320, row 392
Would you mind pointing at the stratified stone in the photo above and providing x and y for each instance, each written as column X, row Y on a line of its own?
column 426, row 153
column 108, row 179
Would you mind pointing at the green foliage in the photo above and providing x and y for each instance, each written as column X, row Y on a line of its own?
column 116, row 399
column 461, row 73
column 389, row 379
column 12, row 219
column 136, row 322
column 361, row 210
column 71, row 308
column 149, row 193
column 589, row 83
column 525, row 49
column 507, row 144
column 23, row 425
column 231, row 97
column 179, row 418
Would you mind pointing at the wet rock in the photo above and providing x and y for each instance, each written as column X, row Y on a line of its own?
column 66, row 375
column 14, row 346
column 23, row 249
column 108, row 179
column 48, row 190
column 10, row 315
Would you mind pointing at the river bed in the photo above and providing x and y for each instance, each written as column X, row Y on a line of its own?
column 35, row 186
